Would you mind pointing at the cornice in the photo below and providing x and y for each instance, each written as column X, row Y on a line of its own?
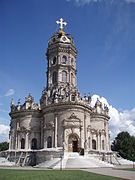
column 101, row 116
column 65, row 105
column 22, row 113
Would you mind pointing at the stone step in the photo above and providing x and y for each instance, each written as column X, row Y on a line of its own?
column 72, row 154
column 50, row 163
column 73, row 160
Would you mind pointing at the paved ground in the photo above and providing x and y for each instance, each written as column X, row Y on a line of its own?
column 113, row 172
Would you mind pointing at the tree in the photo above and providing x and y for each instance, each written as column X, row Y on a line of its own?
column 124, row 144
column 4, row 146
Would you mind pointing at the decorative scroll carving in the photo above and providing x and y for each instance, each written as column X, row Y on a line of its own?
column 72, row 122
column 29, row 104
column 49, row 126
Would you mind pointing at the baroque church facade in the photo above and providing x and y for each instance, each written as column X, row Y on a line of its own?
column 64, row 121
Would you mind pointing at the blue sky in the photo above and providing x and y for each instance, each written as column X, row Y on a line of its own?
column 104, row 34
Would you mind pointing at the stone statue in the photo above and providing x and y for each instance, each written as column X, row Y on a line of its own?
column 106, row 109
column 19, row 105
column 12, row 105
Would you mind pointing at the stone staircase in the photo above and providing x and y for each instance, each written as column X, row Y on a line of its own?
column 74, row 161
column 5, row 162
column 22, row 159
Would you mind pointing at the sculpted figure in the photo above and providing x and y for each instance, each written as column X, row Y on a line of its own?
column 12, row 105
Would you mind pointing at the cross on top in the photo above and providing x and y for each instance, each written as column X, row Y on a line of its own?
column 62, row 23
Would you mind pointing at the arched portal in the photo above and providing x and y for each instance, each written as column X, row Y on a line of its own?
column 93, row 144
column 49, row 142
column 103, row 145
column 54, row 77
column 34, row 143
column 73, row 143
column 22, row 143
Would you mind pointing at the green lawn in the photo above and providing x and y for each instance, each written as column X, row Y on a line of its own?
column 9, row 174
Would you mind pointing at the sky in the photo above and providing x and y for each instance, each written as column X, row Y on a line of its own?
column 104, row 34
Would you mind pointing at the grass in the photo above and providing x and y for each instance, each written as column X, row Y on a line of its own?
column 12, row 174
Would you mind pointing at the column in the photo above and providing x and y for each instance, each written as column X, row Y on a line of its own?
column 85, row 133
column 16, row 140
column 80, row 137
column 19, row 147
column 27, row 140
column 42, row 134
column 45, row 138
column 107, row 143
column 10, row 140
column 55, row 132
column 58, row 76
column 98, row 141
column 69, row 78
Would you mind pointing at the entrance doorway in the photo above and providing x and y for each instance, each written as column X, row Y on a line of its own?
column 73, row 143
column 75, row 146
column 34, row 143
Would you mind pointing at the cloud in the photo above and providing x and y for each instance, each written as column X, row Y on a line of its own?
column 4, row 132
column 86, row 2
column 10, row 92
column 119, row 121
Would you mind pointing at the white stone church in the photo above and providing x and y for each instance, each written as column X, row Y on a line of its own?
column 64, row 122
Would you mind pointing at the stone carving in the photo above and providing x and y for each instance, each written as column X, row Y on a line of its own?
column 49, row 126
column 73, row 116
column 99, row 108
column 106, row 109
column 60, row 94
column 29, row 104
column 12, row 105
column 72, row 122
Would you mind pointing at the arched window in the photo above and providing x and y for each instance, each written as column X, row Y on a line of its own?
column 34, row 143
column 54, row 77
column 72, row 61
column 72, row 78
column 64, row 76
column 73, row 98
column 49, row 142
column 93, row 144
column 54, row 60
column 64, row 59
column 22, row 143
column 103, row 145
column 89, row 142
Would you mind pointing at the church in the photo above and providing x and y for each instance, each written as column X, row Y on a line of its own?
column 63, row 122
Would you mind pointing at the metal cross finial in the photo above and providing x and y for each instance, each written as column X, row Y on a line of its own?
column 62, row 23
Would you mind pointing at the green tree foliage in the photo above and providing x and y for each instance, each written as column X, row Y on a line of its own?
column 125, row 145
column 4, row 146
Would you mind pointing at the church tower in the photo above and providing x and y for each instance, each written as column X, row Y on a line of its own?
column 61, row 67
column 61, row 57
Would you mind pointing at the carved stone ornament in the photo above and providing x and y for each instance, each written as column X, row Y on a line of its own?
column 93, row 131
column 49, row 126
column 73, row 116
column 72, row 122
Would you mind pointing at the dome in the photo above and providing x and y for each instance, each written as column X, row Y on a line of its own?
column 61, row 37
